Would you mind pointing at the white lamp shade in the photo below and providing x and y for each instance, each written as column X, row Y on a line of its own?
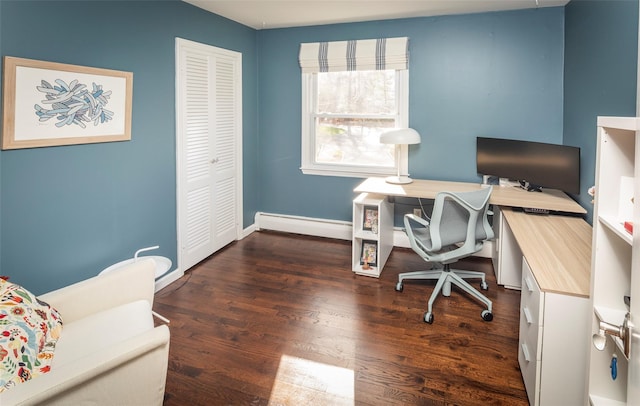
column 400, row 136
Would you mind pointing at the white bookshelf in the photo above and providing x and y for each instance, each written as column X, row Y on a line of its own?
column 368, row 233
column 615, row 260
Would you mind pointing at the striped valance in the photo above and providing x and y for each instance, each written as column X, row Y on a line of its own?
column 368, row 54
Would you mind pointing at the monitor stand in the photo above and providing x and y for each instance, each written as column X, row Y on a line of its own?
column 530, row 187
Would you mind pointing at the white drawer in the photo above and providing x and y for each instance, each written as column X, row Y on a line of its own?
column 531, row 298
column 530, row 334
column 530, row 368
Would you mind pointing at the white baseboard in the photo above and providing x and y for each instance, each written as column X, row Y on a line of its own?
column 247, row 231
column 168, row 279
column 341, row 230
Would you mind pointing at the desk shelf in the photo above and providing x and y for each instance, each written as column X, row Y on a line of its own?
column 372, row 233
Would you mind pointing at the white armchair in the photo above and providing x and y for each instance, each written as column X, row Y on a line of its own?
column 109, row 351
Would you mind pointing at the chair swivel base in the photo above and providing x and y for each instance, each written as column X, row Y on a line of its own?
column 445, row 278
column 485, row 314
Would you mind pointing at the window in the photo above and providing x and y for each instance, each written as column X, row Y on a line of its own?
column 346, row 105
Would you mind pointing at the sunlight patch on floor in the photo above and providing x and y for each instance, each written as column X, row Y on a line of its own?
column 300, row 381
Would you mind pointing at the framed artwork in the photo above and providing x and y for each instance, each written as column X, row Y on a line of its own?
column 370, row 219
column 48, row 103
column 369, row 253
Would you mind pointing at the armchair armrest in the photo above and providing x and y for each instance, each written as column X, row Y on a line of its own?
column 128, row 284
column 130, row 372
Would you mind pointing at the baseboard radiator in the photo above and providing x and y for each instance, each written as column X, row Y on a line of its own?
column 341, row 230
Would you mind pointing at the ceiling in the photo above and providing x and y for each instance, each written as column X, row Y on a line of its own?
column 265, row 14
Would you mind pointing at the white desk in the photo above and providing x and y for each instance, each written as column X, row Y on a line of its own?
column 549, row 256
column 552, row 233
column 558, row 249
column 549, row 199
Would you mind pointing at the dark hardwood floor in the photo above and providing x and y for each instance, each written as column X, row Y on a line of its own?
column 280, row 319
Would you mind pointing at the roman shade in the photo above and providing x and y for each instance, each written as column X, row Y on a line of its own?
column 368, row 54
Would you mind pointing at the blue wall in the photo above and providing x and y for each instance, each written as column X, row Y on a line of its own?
column 494, row 74
column 600, row 72
column 68, row 212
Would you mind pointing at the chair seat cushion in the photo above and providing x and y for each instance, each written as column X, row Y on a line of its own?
column 101, row 330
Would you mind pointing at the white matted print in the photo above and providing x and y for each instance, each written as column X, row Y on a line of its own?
column 48, row 103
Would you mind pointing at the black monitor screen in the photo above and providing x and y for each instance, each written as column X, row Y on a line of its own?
column 545, row 165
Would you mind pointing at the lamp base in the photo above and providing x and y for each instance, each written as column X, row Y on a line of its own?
column 398, row 180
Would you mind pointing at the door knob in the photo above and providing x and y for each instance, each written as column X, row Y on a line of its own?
column 623, row 332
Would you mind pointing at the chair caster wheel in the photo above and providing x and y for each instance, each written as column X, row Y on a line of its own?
column 399, row 287
column 484, row 285
column 428, row 318
column 486, row 315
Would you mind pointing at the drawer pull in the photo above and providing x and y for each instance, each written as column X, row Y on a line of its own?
column 528, row 283
column 525, row 352
column 527, row 315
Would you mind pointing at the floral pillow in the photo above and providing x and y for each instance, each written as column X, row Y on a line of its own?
column 29, row 330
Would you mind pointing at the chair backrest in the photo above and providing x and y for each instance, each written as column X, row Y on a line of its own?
column 456, row 218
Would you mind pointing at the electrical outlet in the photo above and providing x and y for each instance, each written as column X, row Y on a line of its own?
column 417, row 212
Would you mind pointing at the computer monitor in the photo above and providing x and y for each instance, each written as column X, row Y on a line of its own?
column 541, row 165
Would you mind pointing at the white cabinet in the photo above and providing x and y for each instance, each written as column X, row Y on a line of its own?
column 372, row 233
column 555, row 269
column 551, row 344
column 615, row 262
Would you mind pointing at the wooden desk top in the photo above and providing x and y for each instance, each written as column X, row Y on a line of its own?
column 557, row 248
column 549, row 199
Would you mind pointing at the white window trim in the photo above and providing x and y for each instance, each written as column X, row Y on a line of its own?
column 308, row 164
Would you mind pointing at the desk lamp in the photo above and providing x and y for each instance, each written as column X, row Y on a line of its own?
column 402, row 136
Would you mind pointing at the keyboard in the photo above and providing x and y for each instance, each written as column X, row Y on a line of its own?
column 533, row 210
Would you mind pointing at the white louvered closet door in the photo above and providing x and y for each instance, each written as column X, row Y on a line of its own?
column 208, row 121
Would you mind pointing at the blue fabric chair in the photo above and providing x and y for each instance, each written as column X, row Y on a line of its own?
column 458, row 227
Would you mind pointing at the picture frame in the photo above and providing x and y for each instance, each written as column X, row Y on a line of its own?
column 49, row 104
column 369, row 253
column 370, row 219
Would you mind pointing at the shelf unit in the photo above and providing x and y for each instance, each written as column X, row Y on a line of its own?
column 366, row 234
column 615, row 260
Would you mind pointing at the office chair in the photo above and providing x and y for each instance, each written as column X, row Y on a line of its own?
column 458, row 228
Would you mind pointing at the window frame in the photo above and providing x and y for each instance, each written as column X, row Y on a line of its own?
column 308, row 164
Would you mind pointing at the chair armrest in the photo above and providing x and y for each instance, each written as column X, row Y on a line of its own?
column 413, row 240
column 415, row 218
column 130, row 372
column 128, row 284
